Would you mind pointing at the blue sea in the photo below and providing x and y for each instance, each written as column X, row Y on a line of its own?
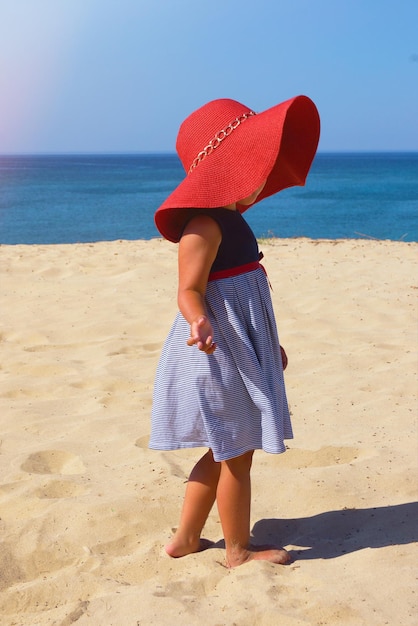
column 86, row 198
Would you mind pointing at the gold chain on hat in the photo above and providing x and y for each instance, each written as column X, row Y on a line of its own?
column 219, row 137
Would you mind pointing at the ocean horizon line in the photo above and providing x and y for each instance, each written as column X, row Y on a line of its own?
column 363, row 152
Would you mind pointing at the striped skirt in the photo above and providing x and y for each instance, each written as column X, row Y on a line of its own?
column 233, row 400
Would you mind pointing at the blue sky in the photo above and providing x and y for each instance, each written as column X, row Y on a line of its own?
column 120, row 75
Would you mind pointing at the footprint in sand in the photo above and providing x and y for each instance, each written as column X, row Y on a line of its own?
column 142, row 442
column 60, row 489
column 151, row 347
column 324, row 457
column 147, row 348
column 53, row 462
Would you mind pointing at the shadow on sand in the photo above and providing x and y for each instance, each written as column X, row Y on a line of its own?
column 335, row 533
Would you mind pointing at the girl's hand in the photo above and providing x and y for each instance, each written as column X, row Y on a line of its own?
column 284, row 358
column 201, row 335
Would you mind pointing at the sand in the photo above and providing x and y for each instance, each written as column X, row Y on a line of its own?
column 86, row 508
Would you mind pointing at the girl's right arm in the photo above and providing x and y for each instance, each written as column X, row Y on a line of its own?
column 197, row 251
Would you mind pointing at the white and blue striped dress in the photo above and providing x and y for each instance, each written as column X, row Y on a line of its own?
column 233, row 400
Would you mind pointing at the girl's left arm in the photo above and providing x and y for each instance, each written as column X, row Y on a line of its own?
column 197, row 251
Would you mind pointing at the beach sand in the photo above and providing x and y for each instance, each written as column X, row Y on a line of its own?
column 86, row 507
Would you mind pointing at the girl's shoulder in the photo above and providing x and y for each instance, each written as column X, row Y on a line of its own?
column 205, row 226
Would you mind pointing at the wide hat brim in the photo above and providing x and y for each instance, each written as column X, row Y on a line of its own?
column 277, row 145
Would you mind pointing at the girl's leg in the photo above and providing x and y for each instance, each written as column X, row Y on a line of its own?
column 198, row 500
column 234, row 502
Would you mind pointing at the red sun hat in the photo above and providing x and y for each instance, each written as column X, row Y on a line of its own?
column 228, row 151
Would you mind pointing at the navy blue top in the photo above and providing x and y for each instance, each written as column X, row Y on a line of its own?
column 238, row 245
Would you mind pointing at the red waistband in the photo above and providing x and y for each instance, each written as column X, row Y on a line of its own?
column 235, row 271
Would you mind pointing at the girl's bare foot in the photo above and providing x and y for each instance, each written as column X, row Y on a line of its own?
column 279, row 556
column 179, row 546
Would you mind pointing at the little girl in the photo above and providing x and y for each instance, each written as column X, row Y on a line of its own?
column 219, row 382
